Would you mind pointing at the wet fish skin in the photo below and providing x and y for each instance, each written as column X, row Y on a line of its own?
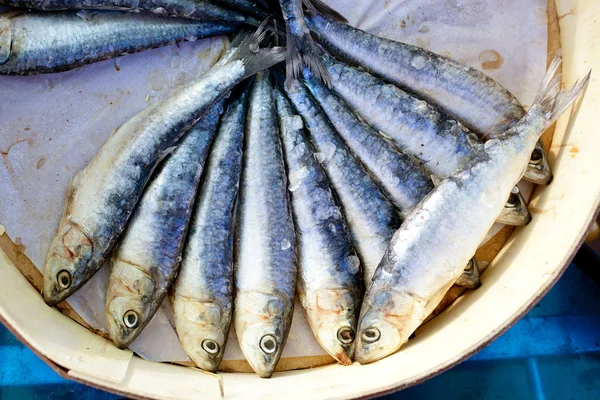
column 411, row 280
column 329, row 275
column 475, row 99
column 265, row 259
column 202, row 296
column 102, row 196
column 60, row 41
column 147, row 258
column 191, row 9
column 404, row 181
column 371, row 217
column 442, row 144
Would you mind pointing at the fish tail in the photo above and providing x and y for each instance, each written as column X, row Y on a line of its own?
column 554, row 101
column 302, row 51
column 318, row 7
column 254, row 57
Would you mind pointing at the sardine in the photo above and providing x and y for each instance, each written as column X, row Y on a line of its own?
column 102, row 196
column 439, row 142
column 202, row 296
column 301, row 49
column 36, row 43
column 265, row 259
column 411, row 279
column 190, row 9
column 146, row 261
column 371, row 217
column 403, row 180
column 329, row 278
column 469, row 95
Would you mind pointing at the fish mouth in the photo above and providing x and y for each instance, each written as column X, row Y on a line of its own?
column 262, row 346
column 538, row 170
column 515, row 211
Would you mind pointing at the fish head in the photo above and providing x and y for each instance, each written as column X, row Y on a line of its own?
column 66, row 269
column 515, row 211
column 332, row 315
column 130, row 301
column 261, row 327
column 470, row 278
column 388, row 318
column 539, row 170
column 202, row 328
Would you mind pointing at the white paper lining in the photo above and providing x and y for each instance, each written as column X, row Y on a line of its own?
column 52, row 125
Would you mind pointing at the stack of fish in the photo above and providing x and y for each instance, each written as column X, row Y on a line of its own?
column 363, row 179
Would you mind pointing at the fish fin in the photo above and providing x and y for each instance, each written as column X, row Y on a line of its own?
column 302, row 51
column 318, row 7
column 254, row 57
column 554, row 101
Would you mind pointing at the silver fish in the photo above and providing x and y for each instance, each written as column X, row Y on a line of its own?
column 102, row 196
column 472, row 97
column 329, row 278
column 265, row 259
column 191, row 9
column 403, row 180
column 202, row 296
column 440, row 143
column 371, row 217
column 37, row 43
column 411, row 279
column 146, row 261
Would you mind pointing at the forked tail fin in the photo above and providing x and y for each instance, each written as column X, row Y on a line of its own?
column 254, row 57
column 302, row 51
column 554, row 101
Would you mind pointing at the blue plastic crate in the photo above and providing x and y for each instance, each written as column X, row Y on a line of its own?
column 552, row 353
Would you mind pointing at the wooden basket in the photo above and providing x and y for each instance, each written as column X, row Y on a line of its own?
column 530, row 262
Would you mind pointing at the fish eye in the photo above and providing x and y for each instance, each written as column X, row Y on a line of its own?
column 210, row 346
column 513, row 201
column 345, row 335
column 536, row 157
column 64, row 279
column 371, row 335
column 469, row 269
column 268, row 344
column 130, row 318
